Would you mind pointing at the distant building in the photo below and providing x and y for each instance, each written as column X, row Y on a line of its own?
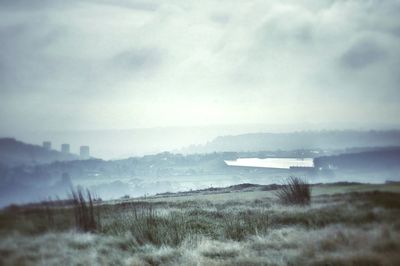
column 65, row 148
column 47, row 145
column 84, row 152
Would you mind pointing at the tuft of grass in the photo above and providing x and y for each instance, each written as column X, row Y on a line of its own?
column 295, row 192
column 85, row 217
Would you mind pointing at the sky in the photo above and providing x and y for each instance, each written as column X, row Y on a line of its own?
column 99, row 64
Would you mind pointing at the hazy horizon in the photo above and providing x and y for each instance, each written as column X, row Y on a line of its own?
column 123, row 143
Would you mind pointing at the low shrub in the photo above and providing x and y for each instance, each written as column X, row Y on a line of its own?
column 295, row 192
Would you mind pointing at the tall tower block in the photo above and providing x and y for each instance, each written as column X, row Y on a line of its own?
column 84, row 152
column 47, row 145
column 65, row 148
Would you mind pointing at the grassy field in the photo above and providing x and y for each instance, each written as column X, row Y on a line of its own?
column 344, row 225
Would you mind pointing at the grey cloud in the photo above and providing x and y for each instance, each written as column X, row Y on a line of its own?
column 220, row 18
column 396, row 32
column 362, row 54
column 131, row 4
column 138, row 59
column 279, row 31
column 29, row 36
column 21, row 54
column 266, row 55
column 18, row 5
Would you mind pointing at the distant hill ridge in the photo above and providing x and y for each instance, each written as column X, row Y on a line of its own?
column 299, row 140
column 13, row 152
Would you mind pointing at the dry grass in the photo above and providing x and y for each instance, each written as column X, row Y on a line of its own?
column 332, row 245
column 342, row 229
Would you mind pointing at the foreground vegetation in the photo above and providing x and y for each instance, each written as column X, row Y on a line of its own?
column 361, row 227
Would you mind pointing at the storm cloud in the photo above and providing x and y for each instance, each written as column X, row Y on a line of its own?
column 362, row 54
column 123, row 64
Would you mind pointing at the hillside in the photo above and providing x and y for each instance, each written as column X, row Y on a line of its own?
column 299, row 140
column 13, row 152
column 246, row 226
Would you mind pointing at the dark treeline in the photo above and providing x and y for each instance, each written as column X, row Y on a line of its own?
column 386, row 159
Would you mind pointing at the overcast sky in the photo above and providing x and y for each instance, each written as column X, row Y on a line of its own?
column 101, row 64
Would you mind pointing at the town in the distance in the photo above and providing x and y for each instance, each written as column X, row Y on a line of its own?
column 37, row 172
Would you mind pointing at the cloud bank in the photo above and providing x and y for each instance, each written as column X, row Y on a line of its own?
column 124, row 64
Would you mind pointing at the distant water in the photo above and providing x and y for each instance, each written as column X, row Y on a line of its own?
column 279, row 163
